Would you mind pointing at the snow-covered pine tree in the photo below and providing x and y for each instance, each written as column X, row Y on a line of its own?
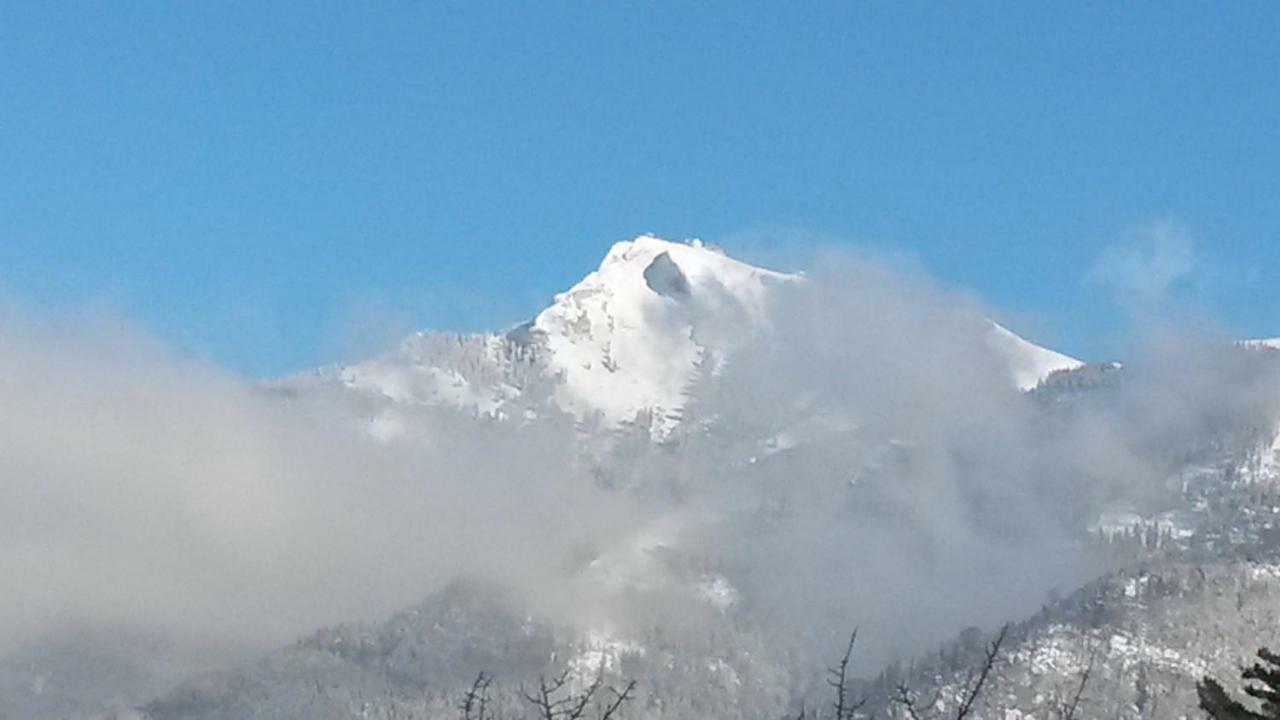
column 1262, row 681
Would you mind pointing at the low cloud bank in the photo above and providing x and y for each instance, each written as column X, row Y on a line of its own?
column 865, row 462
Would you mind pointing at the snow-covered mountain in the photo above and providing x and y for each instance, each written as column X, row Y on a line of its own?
column 720, row 565
column 624, row 342
column 628, row 337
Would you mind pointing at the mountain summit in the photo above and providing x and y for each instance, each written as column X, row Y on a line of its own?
column 624, row 342
column 629, row 336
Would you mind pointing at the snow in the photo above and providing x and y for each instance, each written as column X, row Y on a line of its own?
column 601, row 652
column 1263, row 465
column 1135, row 649
column 623, row 339
column 621, row 345
column 1269, row 462
column 1264, row 571
column 628, row 337
column 1059, row 651
column 1112, row 523
column 1028, row 363
column 1116, row 523
column 717, row 590
column 412, row 383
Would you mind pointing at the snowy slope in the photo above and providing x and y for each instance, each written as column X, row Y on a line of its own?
column 1028, row 363
column 1271, row 343
column 622, row 344
column 408, row 382
column 627, row 337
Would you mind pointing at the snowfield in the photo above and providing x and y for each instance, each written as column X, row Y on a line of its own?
column 622, row 345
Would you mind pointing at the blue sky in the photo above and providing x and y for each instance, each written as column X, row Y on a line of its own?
column 276, row 185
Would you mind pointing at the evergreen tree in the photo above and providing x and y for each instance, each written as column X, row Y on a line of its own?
column 1264, row 684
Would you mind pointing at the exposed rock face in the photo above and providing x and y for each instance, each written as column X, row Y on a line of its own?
column 664, row 277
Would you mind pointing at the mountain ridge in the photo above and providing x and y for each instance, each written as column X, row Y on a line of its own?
column 624, row 342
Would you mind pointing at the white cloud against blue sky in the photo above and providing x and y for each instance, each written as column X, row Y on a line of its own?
column 1146, row 267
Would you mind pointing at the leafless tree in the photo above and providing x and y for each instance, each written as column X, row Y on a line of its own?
column 475, row 703
column 838, row 679
column 554, row 699
column 1069, row 709
column 908, row 702
column 973, row 687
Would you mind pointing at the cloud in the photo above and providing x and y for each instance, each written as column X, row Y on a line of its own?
column 867, row 463
column 1150, row 265
column 142, row 488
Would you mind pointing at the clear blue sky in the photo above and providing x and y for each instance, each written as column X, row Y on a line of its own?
column 271, row 184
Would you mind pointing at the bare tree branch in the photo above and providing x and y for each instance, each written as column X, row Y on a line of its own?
column 973, row 686
column 1069, row 712
column 839, row 680
column 549, row 707
column 577, row 705
column 619, row 699
column 993, row 651
column 553, row 700
column 475, row 702
column 907, row 702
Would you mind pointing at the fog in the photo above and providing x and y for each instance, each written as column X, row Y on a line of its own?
column 142, row 488
column 933, row 495
column 864, row 462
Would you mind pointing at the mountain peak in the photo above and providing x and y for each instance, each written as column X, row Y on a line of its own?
column 693, row 257
column 1028, row 363
column 622, row 344
column 622, row 339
